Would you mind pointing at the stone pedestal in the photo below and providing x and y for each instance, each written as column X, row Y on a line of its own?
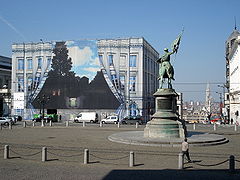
column 165, row 123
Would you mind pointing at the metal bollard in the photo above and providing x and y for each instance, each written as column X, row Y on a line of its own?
column 84, row 124
column 6, row 152
column 214, row 126
column 86, row 156
column 24, row 124
column 50, row 123
column 10, row 125
column 118, row 124
column 136, row 124
column 42, row 123
column 44, row 154
column 231, row 164
column 131, row 159
column 194, row 126
column 34, row 123
column 1, row 126
column 101, row 124
column 67, row 123
column 180, row 161
column 235, row 127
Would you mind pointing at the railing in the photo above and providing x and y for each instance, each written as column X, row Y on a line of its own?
column 97, row 156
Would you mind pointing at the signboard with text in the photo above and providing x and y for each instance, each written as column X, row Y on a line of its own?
column 18, row 100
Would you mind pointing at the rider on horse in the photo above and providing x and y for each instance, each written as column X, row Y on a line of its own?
column 166, row 70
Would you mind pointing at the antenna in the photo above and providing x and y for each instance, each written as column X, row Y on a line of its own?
column 235, row 25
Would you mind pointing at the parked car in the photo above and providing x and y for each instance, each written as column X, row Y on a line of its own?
column 12, row 119
column 91, row 117
column 216, row 119
column 110, row 119
column 5, row 121
column 47, row 117
column 17, row 118
column 132, row 120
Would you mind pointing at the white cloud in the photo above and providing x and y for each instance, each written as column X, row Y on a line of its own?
column 69, row 43
column 81, row 56
column 95, row 62
column 91, row 69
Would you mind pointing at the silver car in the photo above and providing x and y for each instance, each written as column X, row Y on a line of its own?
column 5, row 121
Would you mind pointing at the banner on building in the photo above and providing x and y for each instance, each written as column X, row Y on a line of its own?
column 18, row 100
column 74, row 79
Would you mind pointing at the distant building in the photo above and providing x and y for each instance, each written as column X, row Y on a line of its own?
column 232, row 97
column 5, row 85
column 180, row 105
column 127, row 73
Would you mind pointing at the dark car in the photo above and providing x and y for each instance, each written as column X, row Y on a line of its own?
column 17, row 118
column 46, row 119
column 132, row 120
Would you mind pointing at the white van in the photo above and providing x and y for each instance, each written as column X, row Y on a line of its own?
column 91, row 117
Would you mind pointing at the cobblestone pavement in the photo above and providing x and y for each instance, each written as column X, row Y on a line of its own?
column 108, row 160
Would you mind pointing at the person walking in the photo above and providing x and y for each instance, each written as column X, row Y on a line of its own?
column 185, row 149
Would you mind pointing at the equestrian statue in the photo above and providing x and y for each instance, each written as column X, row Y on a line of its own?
column 166, row 70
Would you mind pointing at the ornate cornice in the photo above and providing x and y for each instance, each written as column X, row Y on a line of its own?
column 31, row 50
column 120, row 46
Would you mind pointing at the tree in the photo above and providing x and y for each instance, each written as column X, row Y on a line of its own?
column 61, row 64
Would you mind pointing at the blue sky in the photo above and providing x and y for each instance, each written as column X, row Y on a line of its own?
column 200, row 58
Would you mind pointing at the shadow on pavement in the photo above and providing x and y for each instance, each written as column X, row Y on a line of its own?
column 210, row 174
column 191, row 133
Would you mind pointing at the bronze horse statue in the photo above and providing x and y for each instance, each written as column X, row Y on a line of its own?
column 166, row 70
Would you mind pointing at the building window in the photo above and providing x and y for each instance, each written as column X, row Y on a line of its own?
column 20, row 84
column 132, row 61
column 29, row 83
column 114, row 77
column 133, row 109
column 132, row 83
column 110, row 60
column 20, row 64
column 29, row 64
column 100, row 58
column 49, row 61
column 39, row 63
column 122, row 61
column 72, row 102
column 122, row 81
column 36, row 82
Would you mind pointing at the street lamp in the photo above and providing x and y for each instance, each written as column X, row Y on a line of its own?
column 223, row 86
column 220, row 103
column 43, row 101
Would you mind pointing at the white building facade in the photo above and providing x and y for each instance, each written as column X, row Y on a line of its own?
column 233, row 76
column 5, row 85
column 29, row 62
column 133, row 62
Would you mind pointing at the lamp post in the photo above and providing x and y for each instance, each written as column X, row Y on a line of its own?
column 226, row 114
column 43, row 101
column 223, row 87
column 220, row 103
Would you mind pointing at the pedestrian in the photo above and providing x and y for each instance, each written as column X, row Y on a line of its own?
column 185, row 149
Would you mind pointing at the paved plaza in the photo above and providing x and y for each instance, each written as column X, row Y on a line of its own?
column 109, row 160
